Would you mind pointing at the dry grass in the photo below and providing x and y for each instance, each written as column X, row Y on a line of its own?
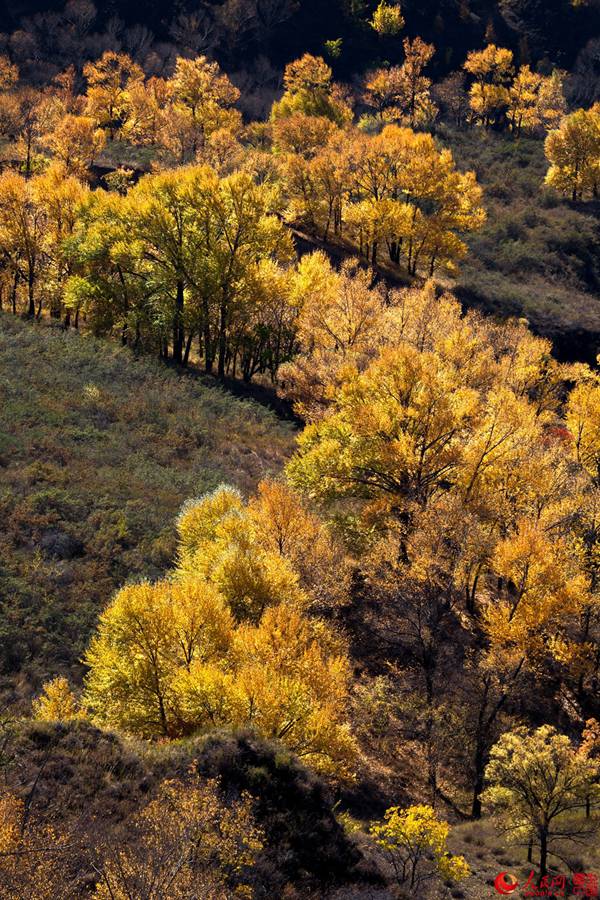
column 489, row 853
column 537, row 255
column 98, row 451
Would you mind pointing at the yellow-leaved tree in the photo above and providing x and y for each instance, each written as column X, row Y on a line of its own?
column 402, row 93
column 537, row 783
column 226, row 641
column 57, row 702
column 443, row 451
column 310, row 90
column 573, row 151
column 147, row 634
column 185, row 842
column 33, row 856
column 415, row 840
column 109, row 80
column 202, row 102
column 387, row 19
column 491, row 70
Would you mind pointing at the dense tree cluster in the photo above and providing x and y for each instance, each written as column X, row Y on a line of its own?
column 420, row 588
column 186, row 253
column 194, row 260
column 199, row 248
column 226, row 641
column 459, row 463
column 444, row 446
column 523, row 100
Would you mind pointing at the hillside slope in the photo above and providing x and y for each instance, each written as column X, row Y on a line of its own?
column 536, row 256
column 98, row 451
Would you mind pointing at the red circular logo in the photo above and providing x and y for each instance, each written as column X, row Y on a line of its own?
column 505, row 883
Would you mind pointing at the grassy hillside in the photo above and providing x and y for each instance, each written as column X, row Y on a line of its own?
column 537, row 256
column 98, row 451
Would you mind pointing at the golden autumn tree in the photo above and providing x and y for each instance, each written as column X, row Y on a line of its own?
column 57, row 702
column 491, row 70
column 310, row 90
column 408, row 197
column 340, row 317
column 202, row 243
column 444, row 455
column 258, row 555
column 417, row 105
column 219, row 543
column 203, row 101
column 287, row 526
column 185, row 840
column 573, row 151
column 22, row 234
column 583, row 421
column 315, row 176
column 383, row 92
column 289, row 682
column 415, row 839
column 402, row 93
column 33, row 856
column 393, row 192
column 9, row 76
column 27, row 116
column 58, row 194
column 225, row 642
column 9, row 73
column 109, row 80
column 535, row 100
column 545, row 585
column 387, row 19
column 536, row 783
column 149, row 103
column 145, row 637
column 428, row 410
column 75, row 141
column 551, row 102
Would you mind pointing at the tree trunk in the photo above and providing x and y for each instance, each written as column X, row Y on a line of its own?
column 178, row 325
column 208, row 347
column 14, row 293
column 188, row 347
column 222, row 337
column 543, row 852
column 31, row 294
column 477, row 786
